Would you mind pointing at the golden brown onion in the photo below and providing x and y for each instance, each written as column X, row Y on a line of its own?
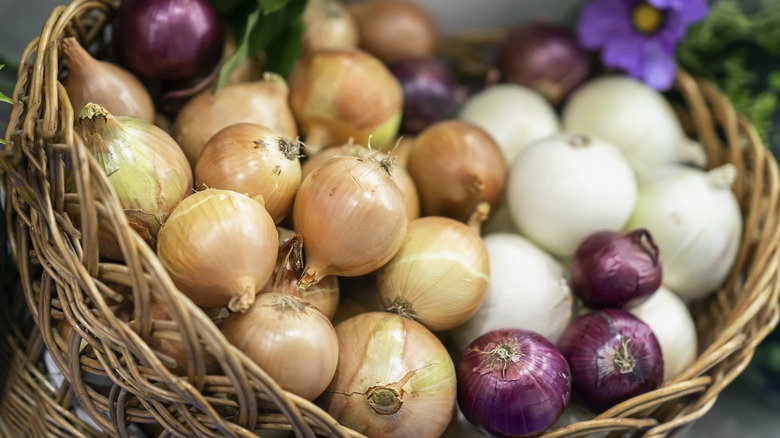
column 394, row 378
column 352, row 217
column 289, row 339
column 328, row 24
column 104, row 83
column 262, row 102
column 455, row 166
column 341, row 94
column 399, row 174
column 393, row 30
column 440, row 275
column 220, row 248
column 252, row 159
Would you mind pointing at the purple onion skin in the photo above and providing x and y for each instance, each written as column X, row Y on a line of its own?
column 593, row 342
column 167, row 40
column 521, row 396
column 545, row 57
column 613, row 269
column 430, row 94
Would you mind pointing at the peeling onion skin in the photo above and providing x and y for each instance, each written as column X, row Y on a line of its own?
column 386, row 354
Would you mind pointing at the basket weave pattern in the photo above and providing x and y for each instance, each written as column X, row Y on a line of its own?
column 63, row 277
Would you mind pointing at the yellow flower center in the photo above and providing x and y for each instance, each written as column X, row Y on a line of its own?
column 646, row 18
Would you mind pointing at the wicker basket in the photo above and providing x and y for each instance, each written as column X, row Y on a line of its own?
column 64, row 278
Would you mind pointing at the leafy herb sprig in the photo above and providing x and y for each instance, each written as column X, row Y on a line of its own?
column 272, row 29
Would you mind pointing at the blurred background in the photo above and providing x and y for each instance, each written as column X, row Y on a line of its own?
column 749, row 408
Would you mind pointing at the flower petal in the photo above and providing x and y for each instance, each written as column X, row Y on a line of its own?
column 693, row 10
column 672, row 31
column 667, row 4
column 624, row 52
column 658, row 66
column 601, row 20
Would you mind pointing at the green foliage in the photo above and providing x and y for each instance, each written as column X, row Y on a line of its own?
column 4, row 98
column 730, row 48
column 271, row 28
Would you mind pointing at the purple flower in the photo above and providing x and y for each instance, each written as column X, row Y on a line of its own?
column 639, row 36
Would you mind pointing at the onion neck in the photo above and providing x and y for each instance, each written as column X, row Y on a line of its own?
column 242, row 301
column 75, row 56
column 310, row 277
column 384, row 401
column 289, row 148
column 624, row 362
column 579, row 141
column 480, row 215
column 402, row 307
column 722, row 177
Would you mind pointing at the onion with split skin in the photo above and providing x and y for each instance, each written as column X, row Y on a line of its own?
column 394, row 378
column 145, row 167
column 352, row 218
column 219, row 248
column 341, row 94
column 252, row 159
column 109, row 85
column 440, row 274
column 262, row 102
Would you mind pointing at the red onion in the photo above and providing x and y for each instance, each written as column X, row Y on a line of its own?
column 430, row 94
column 613, row 269
column 613, row 356
column 512, row 382
column 167, row 39
column 546, row 57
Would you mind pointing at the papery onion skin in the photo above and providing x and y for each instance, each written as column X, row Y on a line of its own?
column 109, row 85
column 328, row 24
column 513, row 382
column 455, row 166
column 167, row 39
column 615, row 269
column 439, row 276
column 262, row 102
column 613, row 357
column 341, row 94
column 544, row 56
column 145, row 167
column 383, row 354
column 393, row 30
column 289, row 339
column 352, row 217
column 400, row 174
column 219, row 248
column 252, row 159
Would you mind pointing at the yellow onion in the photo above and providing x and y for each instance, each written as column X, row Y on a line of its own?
column 104, row 83
column 262, row 102
column 144, row 165
column 341, row 94
column 456, row 165
column 399, row 174
column 220, row 248
column 327, row 24
column 393, row 30
column 252, row 159
column 289, row 266
column 440, row 275
column 352, row 217
column 289, row 339
column 394, row 378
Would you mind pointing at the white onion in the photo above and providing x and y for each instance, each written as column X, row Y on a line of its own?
column 563, row 188
column 514, row 115
column 695, row 220
column 527, row 289
column 673, row 326
column 632, row 116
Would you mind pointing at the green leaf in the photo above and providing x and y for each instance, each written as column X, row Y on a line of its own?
column 285, row 50
column 4, row 98
column 242, row 49
column 271, row 6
